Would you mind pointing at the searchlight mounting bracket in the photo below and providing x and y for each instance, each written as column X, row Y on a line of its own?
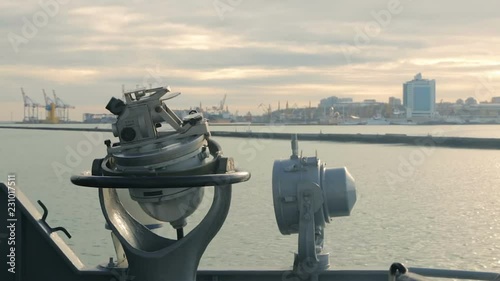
column 306, row 195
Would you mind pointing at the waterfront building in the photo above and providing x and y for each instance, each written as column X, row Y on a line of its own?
column 329, row 102
column 345, row 100
column 495, row 100
column 394, row 102
column 419, row 97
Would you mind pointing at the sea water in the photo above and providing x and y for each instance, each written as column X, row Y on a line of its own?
column 433, row 207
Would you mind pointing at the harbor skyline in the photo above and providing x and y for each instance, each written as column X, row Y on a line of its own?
column 255, row 53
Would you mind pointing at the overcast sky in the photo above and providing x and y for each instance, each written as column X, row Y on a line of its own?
column 253, row 51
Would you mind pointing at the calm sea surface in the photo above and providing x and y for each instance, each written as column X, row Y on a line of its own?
column 424, row 207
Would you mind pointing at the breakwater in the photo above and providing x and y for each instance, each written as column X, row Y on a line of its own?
column 57, row 129
column 439, row 141
column 402, row 139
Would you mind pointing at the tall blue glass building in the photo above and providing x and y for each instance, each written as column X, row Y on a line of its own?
column 419, row 97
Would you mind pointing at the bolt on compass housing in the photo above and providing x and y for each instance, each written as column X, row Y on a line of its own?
column 166, row 173
column 143, row 150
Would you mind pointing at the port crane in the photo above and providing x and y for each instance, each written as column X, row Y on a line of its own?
column 267, row 111
column 30, row 109
column 220, row 107
column 222, row 103
column 63, row 112
column 60, row 108
column 50, row 109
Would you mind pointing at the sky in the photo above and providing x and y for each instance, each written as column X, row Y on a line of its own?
column 257, row 52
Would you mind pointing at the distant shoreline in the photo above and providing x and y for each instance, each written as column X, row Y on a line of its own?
column 401, row 139
column 240, row 124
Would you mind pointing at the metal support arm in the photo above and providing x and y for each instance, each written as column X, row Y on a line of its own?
column 154, row 258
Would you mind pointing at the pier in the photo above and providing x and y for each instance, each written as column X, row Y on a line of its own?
column 457, row 142
column 402, row 139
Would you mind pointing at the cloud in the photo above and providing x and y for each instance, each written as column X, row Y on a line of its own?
column 261, row 50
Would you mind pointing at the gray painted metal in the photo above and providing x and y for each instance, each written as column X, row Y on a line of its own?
column 154, row 258
column 40, row 254
column 306, row 195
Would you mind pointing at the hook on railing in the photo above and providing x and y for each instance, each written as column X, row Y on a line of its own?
column 44, row 222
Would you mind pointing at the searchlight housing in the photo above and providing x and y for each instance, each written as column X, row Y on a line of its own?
column 306, row 195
